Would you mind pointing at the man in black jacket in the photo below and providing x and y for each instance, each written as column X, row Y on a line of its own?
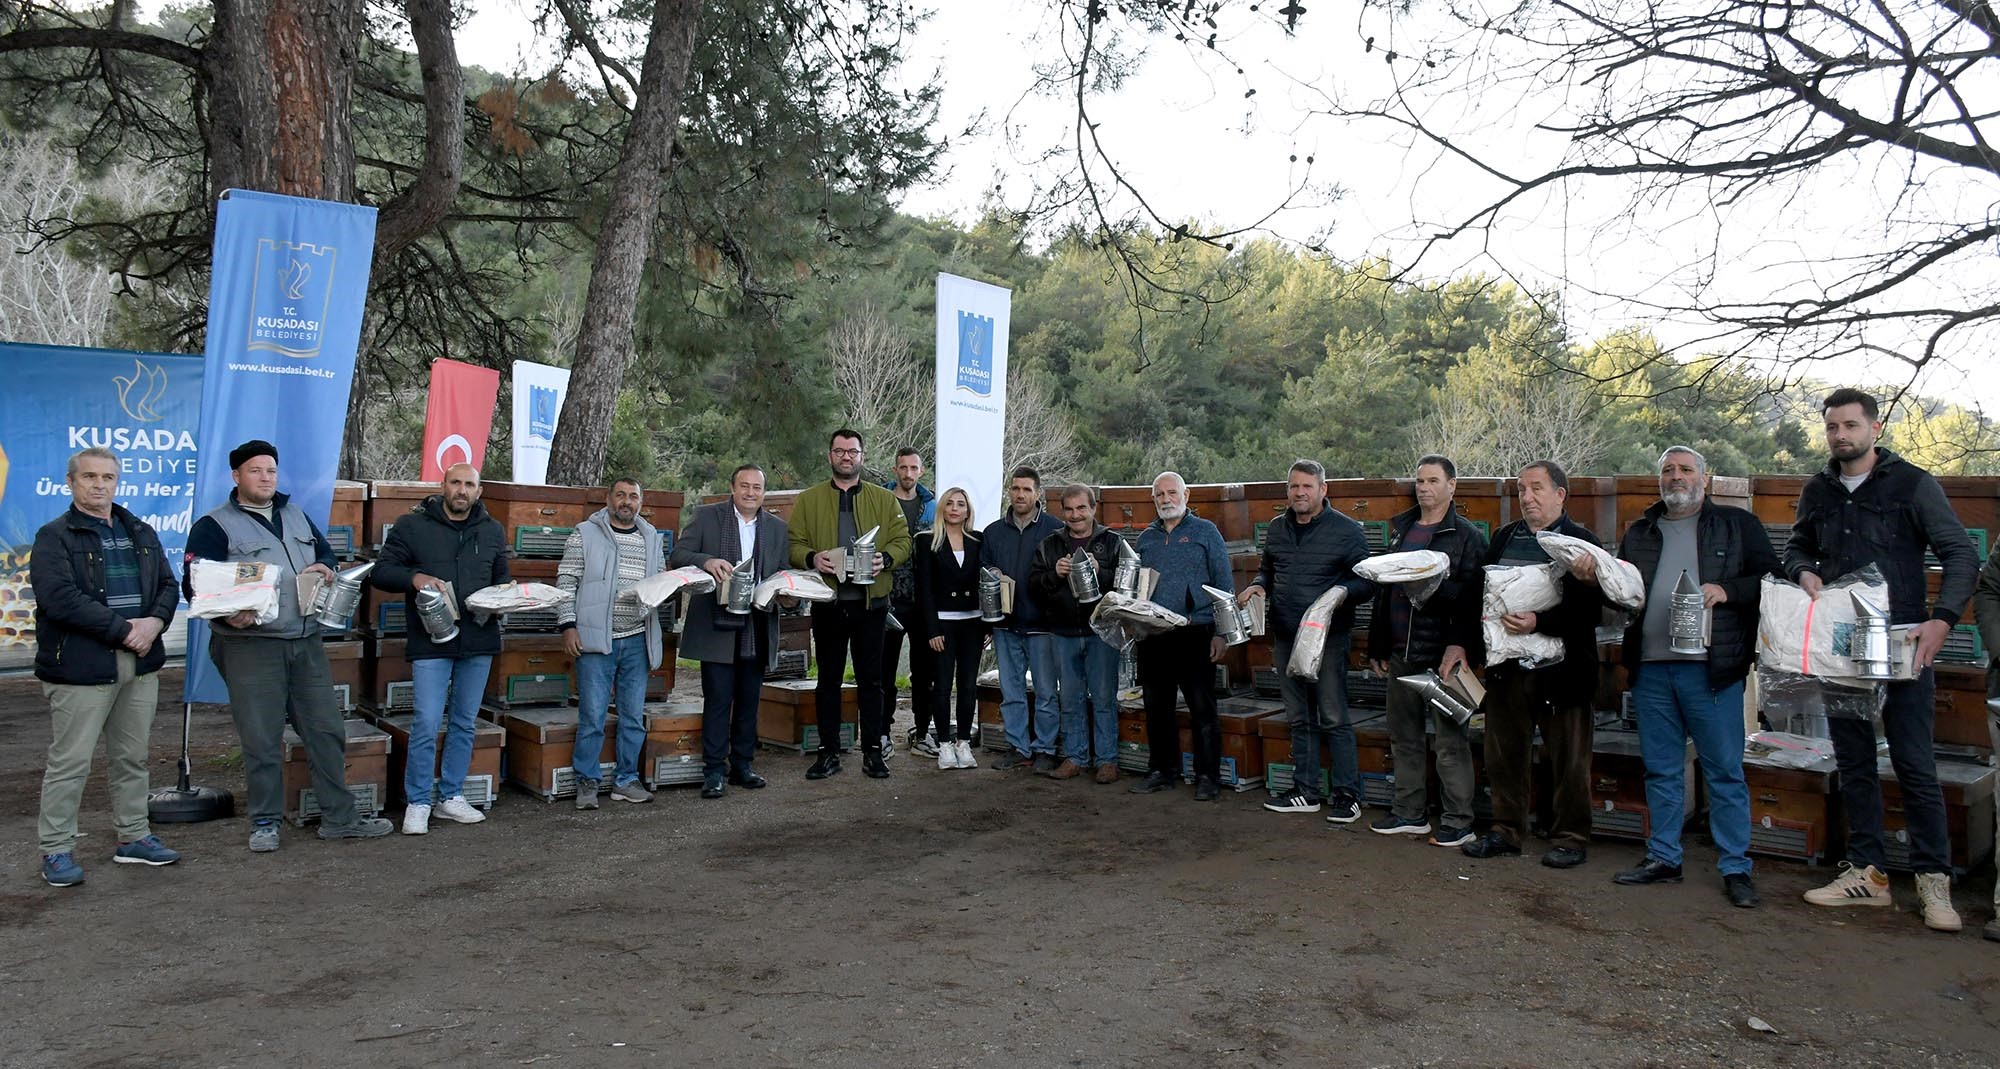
column 1086, row 666
column 1021, row 641
column 1870, row 506
column 1554, row 698
column 448, row 538
column 103, row 594
column 1308, row 551
column 1725, row 553
column 1405, row 639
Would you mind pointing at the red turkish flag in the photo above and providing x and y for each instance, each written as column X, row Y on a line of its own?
column 459, row 416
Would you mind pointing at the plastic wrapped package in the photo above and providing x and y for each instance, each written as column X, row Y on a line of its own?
column 1621, row 582
column 654, row 590
column 1806, row 636
column 1792, row 698
column 793, row 583
column 1310, row 645
column 1418, row 571
column 1784, row 749
column 517, row 597
column 1122, row 621
column 1523, row 588
column 225, row 588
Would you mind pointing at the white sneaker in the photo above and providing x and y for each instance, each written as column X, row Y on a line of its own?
column 1865, row 886
column 964, row 751
column 1935, row 890
column 417, row 820
column 888, row 748
column 459, row 811
column 948, row 756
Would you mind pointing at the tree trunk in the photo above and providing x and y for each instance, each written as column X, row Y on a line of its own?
column 604, row 343
column 281, row 79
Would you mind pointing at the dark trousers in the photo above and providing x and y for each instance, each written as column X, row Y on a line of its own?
column 1179, row 659
column 730, row 691
column 1517, row 703
column 841, row 627
column 957, row 667
column 923, row 674
column 271, row 681
column 1906, row 723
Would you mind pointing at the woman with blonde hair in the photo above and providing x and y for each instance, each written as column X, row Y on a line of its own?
column 947, row 572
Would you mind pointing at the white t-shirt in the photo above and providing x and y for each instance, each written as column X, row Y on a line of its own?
column 1853, row 482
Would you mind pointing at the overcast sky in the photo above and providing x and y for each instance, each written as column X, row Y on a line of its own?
column 1185, row 133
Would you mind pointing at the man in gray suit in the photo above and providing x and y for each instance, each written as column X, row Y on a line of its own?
column 733, row 649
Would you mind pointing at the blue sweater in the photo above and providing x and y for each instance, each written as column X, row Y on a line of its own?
column 1187, row 558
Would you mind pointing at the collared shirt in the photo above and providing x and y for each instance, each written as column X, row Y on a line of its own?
column 746, row 536
column 121, row 567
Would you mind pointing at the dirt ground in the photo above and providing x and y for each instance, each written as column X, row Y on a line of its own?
column 935, row 918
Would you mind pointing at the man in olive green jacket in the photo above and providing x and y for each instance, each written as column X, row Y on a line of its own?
column 830, row 516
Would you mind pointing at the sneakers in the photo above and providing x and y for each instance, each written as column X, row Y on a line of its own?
column 264, row 837
column 1206, row 789
column 965, row 758
column 61, row 870
column 417, row 820
column 947, row 756
column 586, row 794
column 1865, row 886
column 888, row 748
column 1344, row 811
column 874, row 764
column 826, row 764
column 632, row 792
column 1067, row 770
column 1993, row 930
column 365, row 828
column 923, row 743
column 1493, row 845
column 147, row 851
column 459, row 811
column 1107, row 773
column 1395, row 825
column 1934, row 888
column 1294, row 802
column 1446, row 835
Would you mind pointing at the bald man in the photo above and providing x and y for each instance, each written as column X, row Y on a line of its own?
column 448, row 538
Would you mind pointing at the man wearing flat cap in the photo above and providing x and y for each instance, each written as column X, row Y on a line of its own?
column 277, row 671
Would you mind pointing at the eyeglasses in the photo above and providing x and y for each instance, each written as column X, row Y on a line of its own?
column 846, row 452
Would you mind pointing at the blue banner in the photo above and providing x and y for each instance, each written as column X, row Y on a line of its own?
column 285, row 302
column 59, row 399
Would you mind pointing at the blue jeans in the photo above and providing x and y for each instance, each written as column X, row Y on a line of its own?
column 1674, row 703
column 1087, row 678
column 597, row 674
column 448, row 690
column 1319, row 716
column 1020, row 654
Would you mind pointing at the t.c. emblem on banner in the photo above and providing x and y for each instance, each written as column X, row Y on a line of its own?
column 292, row 286
column 975, row 353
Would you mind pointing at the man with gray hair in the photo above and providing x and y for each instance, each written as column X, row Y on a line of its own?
column 1687, row 542
column 104, row 593
column 1188, row 553
column 1309, row 551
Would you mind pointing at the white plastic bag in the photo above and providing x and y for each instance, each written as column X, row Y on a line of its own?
column 517, row 597
column 1526, row 588
column 1620, row 580
column 1121, row 621
column 1418, row 571
column 654, row 590
column 1810, row 636
column 225, row 588
column 795, row 583
column 1310, row 646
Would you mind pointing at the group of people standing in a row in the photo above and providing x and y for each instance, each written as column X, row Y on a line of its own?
column 104, row 595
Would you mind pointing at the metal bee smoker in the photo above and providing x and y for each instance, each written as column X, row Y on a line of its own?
column 861, row 559
column 334, row 604
column 741, row 592
column 1437, row 695
column 1126, row 579
column 1870, row 645
column 1687, row 618
column 1083, row 577
column 989, row 596
column 438, row 615
column 1232, row 622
